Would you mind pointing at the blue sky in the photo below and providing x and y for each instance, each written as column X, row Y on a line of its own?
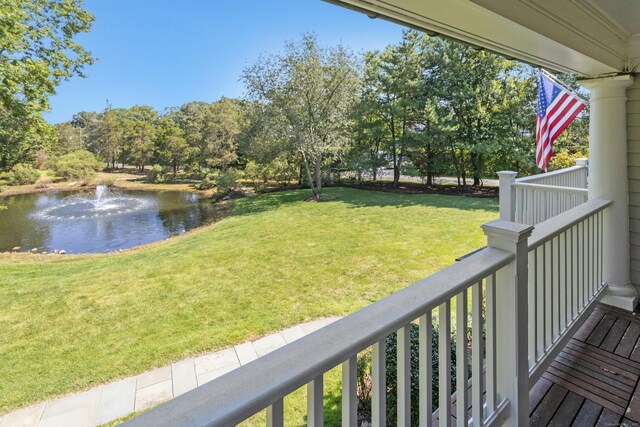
column 164, row 53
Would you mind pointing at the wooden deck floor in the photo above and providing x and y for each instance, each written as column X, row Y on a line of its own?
column 594, row 380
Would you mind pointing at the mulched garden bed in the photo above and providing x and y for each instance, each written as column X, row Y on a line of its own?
column 418, row 188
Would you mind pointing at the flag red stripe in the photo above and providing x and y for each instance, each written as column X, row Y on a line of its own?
column 568, row 119
column 558, row 115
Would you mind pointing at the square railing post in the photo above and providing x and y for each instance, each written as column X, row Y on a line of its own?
column 584, row 164
column 511, row 318
column 507, row 195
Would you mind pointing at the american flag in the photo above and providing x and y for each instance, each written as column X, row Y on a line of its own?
column 556, row 109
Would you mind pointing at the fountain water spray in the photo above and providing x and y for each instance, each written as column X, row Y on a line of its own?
column 103, row 204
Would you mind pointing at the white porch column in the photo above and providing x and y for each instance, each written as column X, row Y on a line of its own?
column 608, row 180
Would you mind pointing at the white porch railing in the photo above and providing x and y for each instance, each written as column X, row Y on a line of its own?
column 528, row 295
column 534, row 199
column 565, row 279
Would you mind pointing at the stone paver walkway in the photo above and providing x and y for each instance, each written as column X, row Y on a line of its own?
column 109, row 402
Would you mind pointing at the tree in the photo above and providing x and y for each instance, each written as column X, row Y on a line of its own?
column 485, row 103
column 171, row 146
column 310, row 91
column 106, row 135
column 69, row 138
column 393, row 94
column 369, row 134
column 212, row 131
column 37, row 53
column 139, row 136
column 21, row 139
column 221, row 128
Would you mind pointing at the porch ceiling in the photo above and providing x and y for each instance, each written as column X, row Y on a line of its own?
column 588, row 37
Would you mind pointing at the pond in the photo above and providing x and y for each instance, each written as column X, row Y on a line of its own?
column 98, row 221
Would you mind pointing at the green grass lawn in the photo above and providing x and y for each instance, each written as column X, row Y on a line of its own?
column 69, row 323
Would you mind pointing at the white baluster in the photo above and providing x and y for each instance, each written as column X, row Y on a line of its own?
column 533, row 314
column 315, row 403
column 492, row 369
column 378, row 384
column 349, row 395
column 477, row 355
column 404, row 376
column 426, row 369
column 462, row 362
column 275, row 414
column 444, row 364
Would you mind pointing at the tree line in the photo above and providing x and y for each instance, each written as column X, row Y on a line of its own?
column 423, row 107
column 197, row 134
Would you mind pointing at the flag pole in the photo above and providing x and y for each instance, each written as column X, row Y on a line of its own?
column 562, row 85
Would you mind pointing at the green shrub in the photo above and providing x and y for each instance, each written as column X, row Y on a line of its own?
column 364, row 376
column 109, row 181
column 227, row 182
column 253, row 172
column 194, row 171
column 158, row 174
column 22, row 174
column 81, row 165
column 207, row 182
column 564, row 159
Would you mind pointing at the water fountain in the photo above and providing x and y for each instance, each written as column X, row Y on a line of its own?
column 98, row 221
column 102, row 204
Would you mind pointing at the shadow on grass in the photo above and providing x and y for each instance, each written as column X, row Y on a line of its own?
column 361, row 199
column 368, row 198
column 267, row 202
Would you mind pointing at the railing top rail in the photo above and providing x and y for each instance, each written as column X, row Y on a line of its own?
column 558, row 224
column 543, row 176
column 551, row 188
column 231, row 398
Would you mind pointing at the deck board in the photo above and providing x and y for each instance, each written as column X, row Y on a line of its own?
column 608, row 419
column 614, row 336
column 588, row 415
column 629, row 340
column 594, row 380
column 601, row 330
column 567, row 411
column 549, row 405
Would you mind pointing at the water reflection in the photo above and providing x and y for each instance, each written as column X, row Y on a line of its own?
column 29, row 223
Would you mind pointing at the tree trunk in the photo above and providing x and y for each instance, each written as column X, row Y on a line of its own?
column 318, row 165
column 475, row 166
column 175, row 168
column 430, row 157
column 396, row 176
column 310, row 178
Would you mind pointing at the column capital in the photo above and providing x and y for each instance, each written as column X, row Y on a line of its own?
column 507, row 174
column 607, row 87
column 505, row 235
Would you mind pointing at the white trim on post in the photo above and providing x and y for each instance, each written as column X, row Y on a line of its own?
column 608, row 180
column 512, row 317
